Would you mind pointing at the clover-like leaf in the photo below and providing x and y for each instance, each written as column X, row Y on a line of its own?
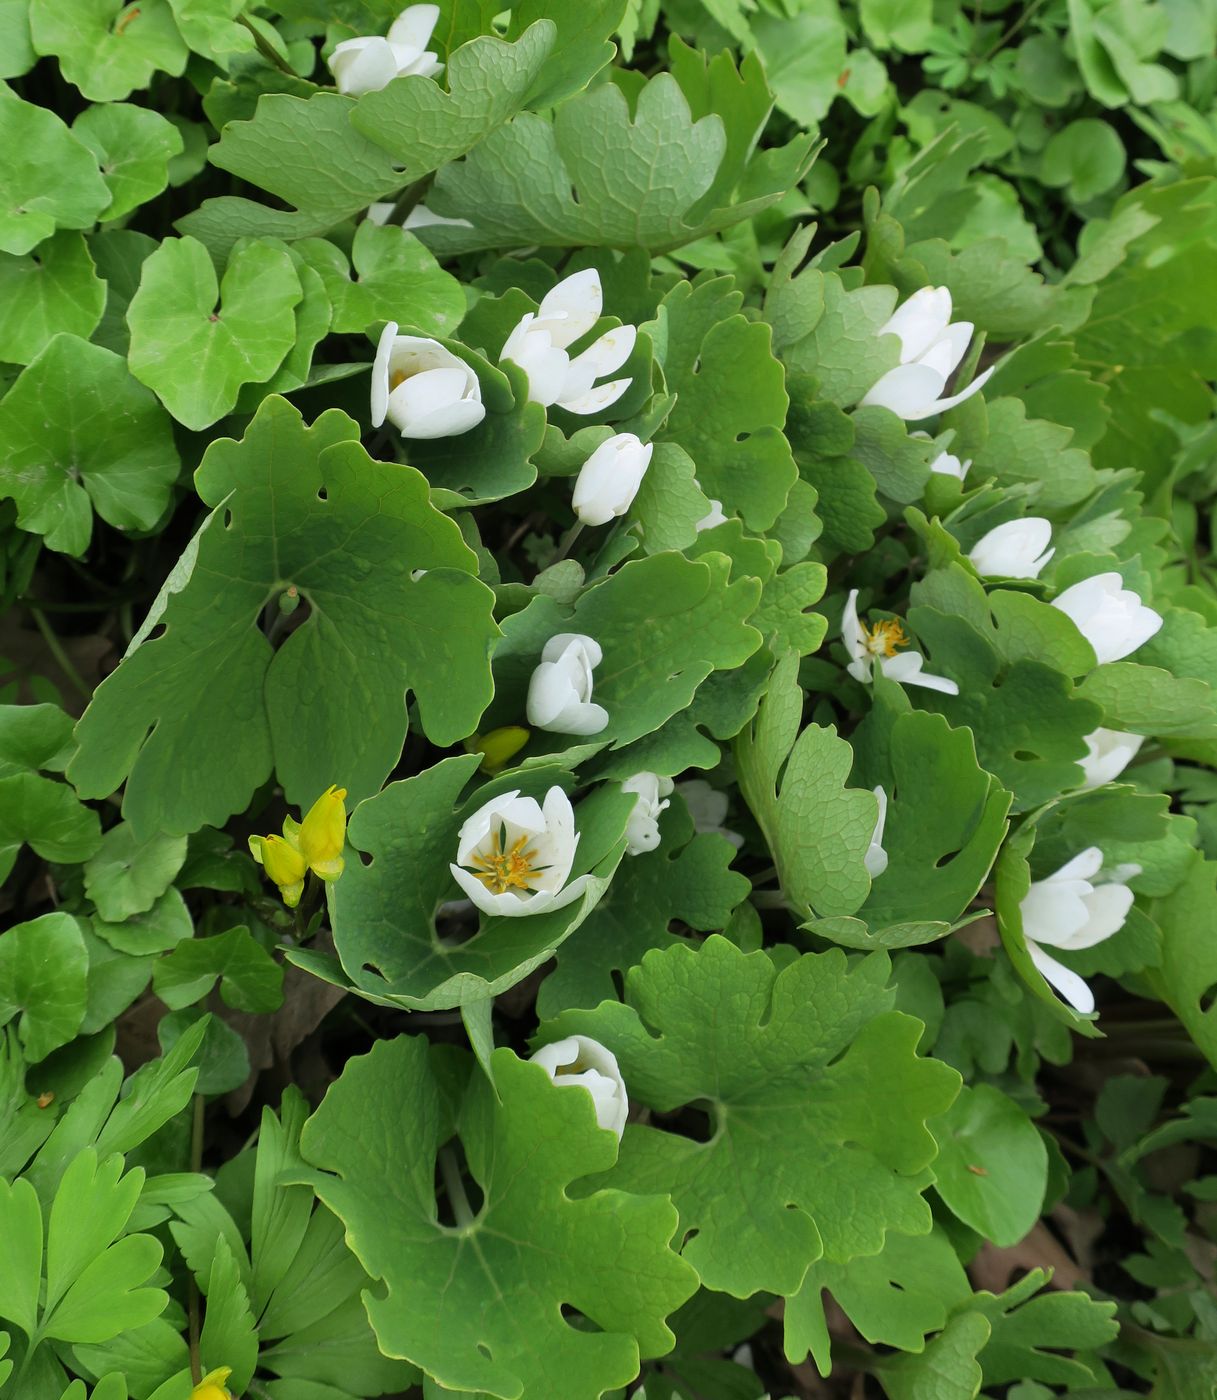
column 78, row 433
column 43, row 966
column 249, row 978
column 195, row 341
column 397, row 279
column 307, row 508
column 817, row 1102
column 385, row 909
column 686, row 878
column 133, row 147
column 730, row 399
column 55, row 288
column 49, row 179
column 642, row 176
column 108, row 48
column 817, row 829
column 480, row 1307
column 127, row 876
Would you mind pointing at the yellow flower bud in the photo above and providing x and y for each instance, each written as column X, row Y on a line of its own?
column 211, row 1387
column 322, row 834
column 498, row 747
column 283, row 864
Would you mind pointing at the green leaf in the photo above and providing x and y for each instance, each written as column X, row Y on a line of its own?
column 686, row 878
column 1189, row 958
column 817, row 830
column 49, row 178
column 478, row 1307
column 166, row 924
column 946, row 1370
column 54, row 289
column 128, row 875
column 730, row 399
column 384, row 910
column 1086, row 157
column 398, row 280
column 229, row 1335
column 899, row 24
column 79, row 434
column 895, row 1297
column 641, row 177
column 582, row 46
column 423, row 127
column 106, row 47
column 195, row 341
column 223, row 1058
column 108, row 1296
column 1148, row 700
column 250, row 979
column 804, row 60
column 808, row 1116
column 46, row 815
column 349, row 533
column 664, row 624
column 133, row 147
column 90, row 1211
column 1023, row 1327
column 20, row 1254
column 992, row 1165
column 43, row 967
column 17, row 54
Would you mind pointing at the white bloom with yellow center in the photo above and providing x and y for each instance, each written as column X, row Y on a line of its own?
column 539, row 343
column 371, row 62
column 874, row 646
column 584, row 1063
column 514, row 855
column 422, row 388
column 1071, row 910
column 560, row 692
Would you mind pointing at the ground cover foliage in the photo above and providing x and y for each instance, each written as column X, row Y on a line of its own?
column 608, row 699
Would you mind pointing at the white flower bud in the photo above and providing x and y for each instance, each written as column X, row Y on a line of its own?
column 581, row 1061
column 609, row 480
column 560, row 692
column 422, row 388
column 931, row 346
column 370, row 62
column 1112, row 619
column 1017, row 549
column 642, row 829
column 1108, row 753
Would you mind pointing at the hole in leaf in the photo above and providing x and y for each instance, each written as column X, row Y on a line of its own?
column 322, row 494
column 1208, row 999
column 1025, row 756
column 618, row 983
column 945, row 859
column 157, row 632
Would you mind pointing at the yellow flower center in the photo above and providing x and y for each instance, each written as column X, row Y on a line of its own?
column 883, row 638
column 506, row 868
column 396, row 379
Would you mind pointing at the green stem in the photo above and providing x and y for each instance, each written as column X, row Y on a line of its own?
column 265, row 48
column 62, row 660
column 1013, row 30
column 567, row 543
column 407, row 199
column 459, row 1201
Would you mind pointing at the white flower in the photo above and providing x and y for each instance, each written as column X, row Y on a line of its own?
column 869, row 646
column 1108, row 753
column 642, row 829
column 520, row 853
column 560, row 692
column 708, row 807
column 581, row 1061
column 1070, row 910
column 370, row 63
column 1112, row 619
column 424, row 390
column 609, row 480
column 931, row 346
column 540, row 342
column 716, row 516
column 945, row 464
column 876, row 856
column 1017, row 549
column 418, row 217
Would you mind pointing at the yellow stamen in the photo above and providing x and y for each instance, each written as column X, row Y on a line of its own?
column 884, row 637
column 504, row 870
column 396, row 379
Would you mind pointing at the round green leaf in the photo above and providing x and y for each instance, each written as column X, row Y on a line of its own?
column 108, row 48
column 133, row 146
column 54, row 289
column 43, row 971
column 1087, row 157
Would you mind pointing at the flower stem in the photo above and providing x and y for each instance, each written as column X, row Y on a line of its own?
column 568, row 541
column 196, row 1162
column 265, row 48
column 457, row 1199
column 55, row 647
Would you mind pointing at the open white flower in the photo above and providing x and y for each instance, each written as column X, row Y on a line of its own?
column 514, row 855
column 1072, row 910
column 871, row 646
column 539, row 343
column 1108, row 753
column 931, row 346
column 585, row 1063
column 1017, row 549
column 370, row 62
column 876, row 856
column 609, row 480
column 1112, row 619
column 423, row 389
column 946, row 464
column 642, row 829
column 560, row 692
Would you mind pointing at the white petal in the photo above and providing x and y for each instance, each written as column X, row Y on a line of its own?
column 919, row 321
column 1017, row 549
column 907, row 669
column 876, row 856
column 949, row 348
column 954, row 400
column 573, row 307
column 1108, row 753
column 1068, row 983
column 1054, row 913
column 380, row 374
column 910, row 391
column 1084, row 866
column 414, row 26
column 449, row 420
column 363, row 65
column 608, row 353
column 598, row 399
column 422, row 217
column 851, row 631
column 1107, row 908
column 947, row 465
column 561, row 642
